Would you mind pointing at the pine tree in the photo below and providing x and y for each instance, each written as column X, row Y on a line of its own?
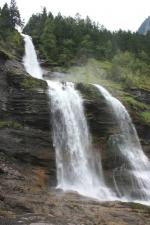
column 14, row 14
column 5, row 19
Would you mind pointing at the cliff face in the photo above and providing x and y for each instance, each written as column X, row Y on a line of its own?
column 27, row 156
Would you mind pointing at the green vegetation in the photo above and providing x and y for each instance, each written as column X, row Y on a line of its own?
column 67, row 40
column 117, row 74
column 134, row 103
column 12, row 124
column 31, row 83
column 11, row 43
column 89, row 92
column 9, row 18
column 145, row 116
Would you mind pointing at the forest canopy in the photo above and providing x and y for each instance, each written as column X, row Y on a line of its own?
column 66, row 40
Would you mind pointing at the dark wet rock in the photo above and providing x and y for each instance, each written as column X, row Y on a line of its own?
column 27, row 157
column 54, row 75
column 101, row 123
column 48, row 64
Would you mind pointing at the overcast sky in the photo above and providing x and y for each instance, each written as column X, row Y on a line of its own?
column 113, row 14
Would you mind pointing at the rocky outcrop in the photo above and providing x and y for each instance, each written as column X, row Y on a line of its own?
column 101, row 123
column 27, row 157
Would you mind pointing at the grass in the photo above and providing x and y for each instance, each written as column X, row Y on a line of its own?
column 110, row 73
column 92, row 73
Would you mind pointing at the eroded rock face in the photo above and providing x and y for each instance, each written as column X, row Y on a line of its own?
column 102, row 124
column 27, row 157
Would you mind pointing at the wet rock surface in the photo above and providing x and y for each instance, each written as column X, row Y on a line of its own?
column 27, row 157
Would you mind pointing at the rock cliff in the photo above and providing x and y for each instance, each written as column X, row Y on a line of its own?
column 27, row 156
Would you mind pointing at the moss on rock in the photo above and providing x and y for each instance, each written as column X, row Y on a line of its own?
column 88, row 91
column 13, row 124
column 145, row 117
column 131, row 101
column 5, row 54
column 23, row 80
column 30, row 82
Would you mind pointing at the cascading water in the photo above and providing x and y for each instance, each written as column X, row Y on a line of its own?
column 136, row 165
column 30, row 59
column 78, row 169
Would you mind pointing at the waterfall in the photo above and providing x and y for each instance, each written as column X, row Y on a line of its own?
column 78, row 164
column 30, row 60
column 136, row 167
column 78, row 167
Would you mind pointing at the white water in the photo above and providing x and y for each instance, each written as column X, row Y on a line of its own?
column 30, row 60
column 136, row 165
column 78, row 168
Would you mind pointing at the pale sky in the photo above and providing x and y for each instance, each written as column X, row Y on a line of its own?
column 113, row 14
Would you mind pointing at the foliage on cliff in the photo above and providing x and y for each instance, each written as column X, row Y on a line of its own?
column 11, row 44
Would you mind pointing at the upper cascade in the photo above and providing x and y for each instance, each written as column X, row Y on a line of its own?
column 30, row 60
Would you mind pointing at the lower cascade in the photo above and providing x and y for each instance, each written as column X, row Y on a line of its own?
column 78, row 164
column 135, row 169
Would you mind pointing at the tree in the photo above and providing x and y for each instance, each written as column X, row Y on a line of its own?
column 5, row 20
column 14, row 14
